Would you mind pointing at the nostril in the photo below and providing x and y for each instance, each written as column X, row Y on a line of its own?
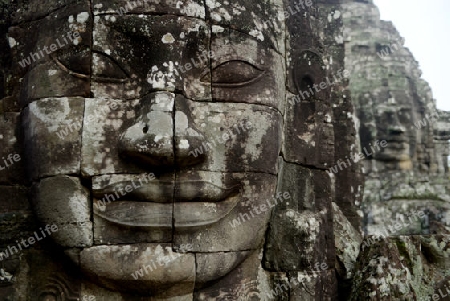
column 145, row 129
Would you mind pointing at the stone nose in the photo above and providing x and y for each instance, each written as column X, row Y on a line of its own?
column 160, row 136
column 396, row 128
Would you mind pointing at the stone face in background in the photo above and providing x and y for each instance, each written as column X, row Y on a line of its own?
column 406, row 181
column 394, row 104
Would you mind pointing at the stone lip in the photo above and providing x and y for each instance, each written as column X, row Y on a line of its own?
column 158, row 215
column 162, row 191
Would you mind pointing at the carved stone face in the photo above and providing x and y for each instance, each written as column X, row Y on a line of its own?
column 196, row 105
column 392, row 118
column 398, row 134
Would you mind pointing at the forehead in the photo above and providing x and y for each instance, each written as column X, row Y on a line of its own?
column 258, row 19
column 178, row 53
column 139, row 33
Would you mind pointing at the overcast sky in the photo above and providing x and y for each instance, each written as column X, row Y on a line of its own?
column 425, row 25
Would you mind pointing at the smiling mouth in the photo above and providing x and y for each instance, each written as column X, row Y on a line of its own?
column 163, row 204
column 397, row 140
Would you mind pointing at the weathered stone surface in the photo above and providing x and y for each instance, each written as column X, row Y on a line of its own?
column 227, row 261
column 301, row 250
column 33, row 10
column 401, row 268
column 257, row 79
column 152, row 132
column 11, row 168
column 122, row 216
column 240, row 227
column 50, row 80
column 160, row 270
column 103, row 120
column 313, row 286
column 406, row 186
column 297, row 236
column 127, row 68
column 270, row 31
column 189, row 8
column 311, row 138
column 244, row 282
column 347, row 241
column 16, row 216
column 54, row 60
column 64, row 202
column 57, row 121
column 56, row 279
column 248, row 133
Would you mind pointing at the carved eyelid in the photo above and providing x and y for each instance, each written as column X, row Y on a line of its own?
column 116, row 65
column 65, row 69
column 95, row 78
column 232, row 73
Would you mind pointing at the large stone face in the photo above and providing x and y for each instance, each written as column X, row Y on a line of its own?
column 182, row 150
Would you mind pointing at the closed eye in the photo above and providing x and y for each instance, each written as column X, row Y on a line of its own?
column 75, row 61
column 106, row 69
column 234, row 74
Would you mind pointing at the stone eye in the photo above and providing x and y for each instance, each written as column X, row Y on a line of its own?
column 75, row 60
column 235, row 73
column 106, row 69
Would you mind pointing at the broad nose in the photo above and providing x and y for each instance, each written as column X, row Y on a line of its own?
column 161, row 136
column 396, row 129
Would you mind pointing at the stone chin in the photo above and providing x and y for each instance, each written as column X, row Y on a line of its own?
column 154, row 269
column 395, row 151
